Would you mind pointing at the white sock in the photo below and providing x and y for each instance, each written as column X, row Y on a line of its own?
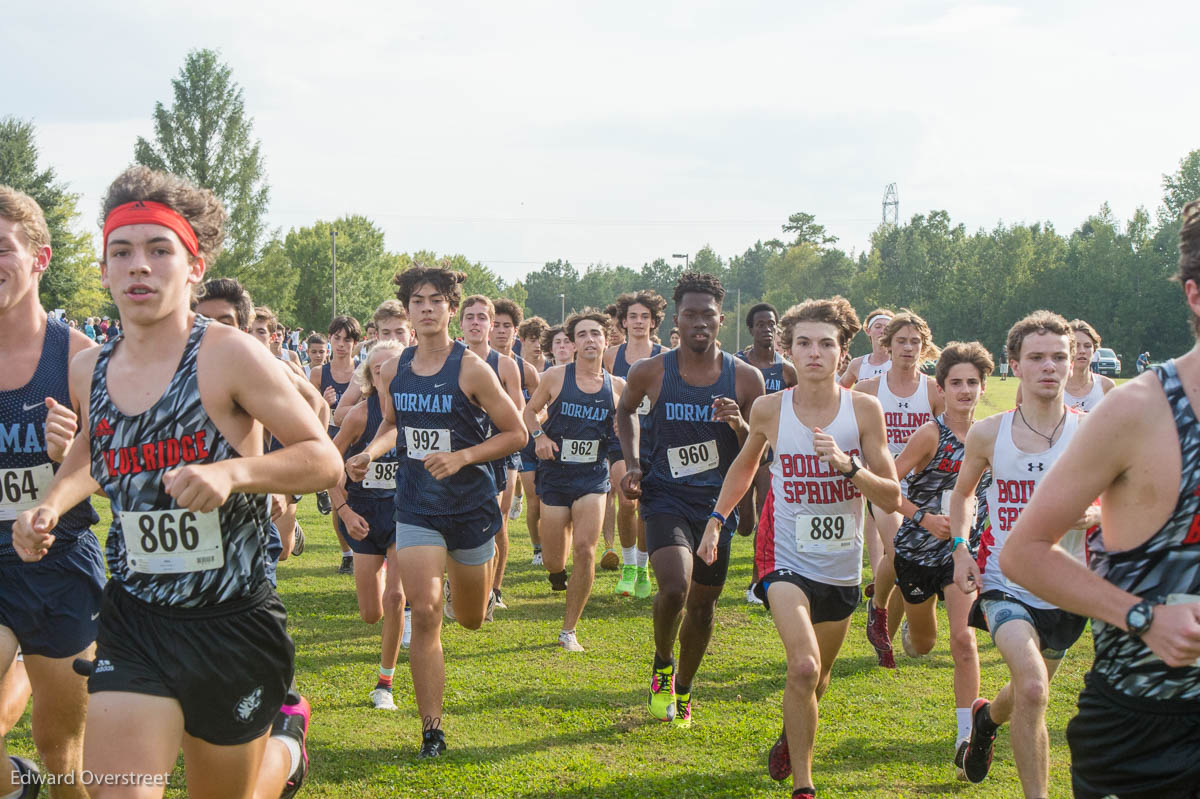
column 963, row 716
column 17, row 794
column 627, row 556
column 293, row 747
column 643, row 559
column 347, row 553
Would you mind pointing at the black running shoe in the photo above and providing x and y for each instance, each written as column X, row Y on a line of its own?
column 347, row 566
column 959, row 757
column 978, row 758
column 323, row 503
column 779, row 759
column 433, row 742
column 30, row 777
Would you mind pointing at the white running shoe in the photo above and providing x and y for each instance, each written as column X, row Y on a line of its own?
column 907, row 643
column 751, row 599
column 447, row 604
column 569, row 642
column 514, row 512
column 537, row 559
column 406, row 639
column 382, row 699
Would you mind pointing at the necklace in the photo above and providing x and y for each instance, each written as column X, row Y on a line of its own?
column 1049, row 438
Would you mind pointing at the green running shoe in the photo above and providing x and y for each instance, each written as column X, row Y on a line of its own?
column 625, row 586
column 683, row 711
column 662, row 693
column 642, row 589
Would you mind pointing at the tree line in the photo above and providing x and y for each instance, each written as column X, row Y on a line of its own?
column 967, row 284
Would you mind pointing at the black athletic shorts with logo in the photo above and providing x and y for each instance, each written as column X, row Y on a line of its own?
column 825, row 602
column 667, row 530
column 920, row 583
column 1133, row 747
column 229, row 666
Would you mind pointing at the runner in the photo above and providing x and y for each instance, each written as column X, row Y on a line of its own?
column 830, row 451
column 265, row 327
column 318, row 353
column 878, row 360
column 674, row 339
column 531, row 332
column 698, row 396
column 446, row 512
column 390, row 323
column 478, row 319
column 192, row 649
column 47, row 610
column 909, row 399
column 1136, row 734
column 1019, row 447
column 364, row 512
column 762, row 320
column 560, row 347
column 1084, row 389
column 332, row 380
column 618, row 332
column 572, row 472
column 924, row 562
column 638, row 315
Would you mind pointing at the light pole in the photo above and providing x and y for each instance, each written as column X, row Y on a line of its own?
column 563, row 300
column 687, row 261
column 333, row 268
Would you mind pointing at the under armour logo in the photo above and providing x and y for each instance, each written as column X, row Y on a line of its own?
column 902, row 405
column 1041, row 467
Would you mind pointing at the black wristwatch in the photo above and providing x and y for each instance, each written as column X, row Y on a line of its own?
column 918, row 516
column 854, row 467
column 1140, row 617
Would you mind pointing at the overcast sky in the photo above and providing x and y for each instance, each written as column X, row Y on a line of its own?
column 617, row 132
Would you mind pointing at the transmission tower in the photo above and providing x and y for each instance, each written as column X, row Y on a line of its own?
column 891, row 205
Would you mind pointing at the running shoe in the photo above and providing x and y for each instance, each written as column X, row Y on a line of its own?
column 514, row 512
column 628, row 581
column 30, row 777
column 406, row 638
column 662, row 693
column 869, row 591
column 877, row 635
column 433, row 740
column 683, row 712
column 537, row 558
column 491, row 607
column 779, row 759
column 292, row 722
column 382, row 699
column 610, row 560
column 642, row 588
column 447, row 605
column 323, row 503
column 347, row 566
column 959, row 758
column 298, row 540
column 978, row 757
column 906, row 641
column 569, row 642
column 751, row 597
column 499, row 600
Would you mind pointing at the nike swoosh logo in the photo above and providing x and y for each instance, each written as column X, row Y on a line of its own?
column 34, row 405
column 95, row 615
column 438, row 385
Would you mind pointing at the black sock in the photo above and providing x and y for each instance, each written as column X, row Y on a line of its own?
column 558, row 580
column 660, row 664
column 682, row 690
column 537, row 550
column 984, row 719
column 496, row 591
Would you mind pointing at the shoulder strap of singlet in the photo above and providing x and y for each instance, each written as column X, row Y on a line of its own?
column 655, row 349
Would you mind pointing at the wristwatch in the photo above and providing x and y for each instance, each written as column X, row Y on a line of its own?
column 854, row 467
column 918, row 516
column 537, row 433
column 1140, row 617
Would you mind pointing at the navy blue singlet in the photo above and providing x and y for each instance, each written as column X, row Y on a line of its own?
column 772, row 375
column 579, row 423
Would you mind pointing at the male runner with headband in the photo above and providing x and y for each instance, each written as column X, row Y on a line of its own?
column 48, row 610
column 1019, row 447
column 192, row 648
column 442, row 395
column 638, row 314
column 700, row 398
column 572, row 472
column 830, row 451
column 762, row 320
column 877, row 361
column 1137, row 732
column 909, row 399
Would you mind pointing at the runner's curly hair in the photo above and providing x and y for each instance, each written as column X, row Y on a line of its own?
column 836, row 311
column 21, row 209
column 957, row 352
column 548, row 341
column 652, row 300
column 1079, row 326
column 1189, row 251
column 907, row 318
column 363, row 376
column 698, row 283
column 505, row 306
column 533, row 327
column 758, row 308
column 1037, row 322
column 448, row 282
column 588, row 314
column 200, row 207
column 226, row 289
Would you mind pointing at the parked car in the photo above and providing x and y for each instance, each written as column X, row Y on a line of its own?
column 1106, row 362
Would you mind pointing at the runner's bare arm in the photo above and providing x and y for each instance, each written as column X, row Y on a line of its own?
column 480, row 384
column 937, row 402
column 510, row 380
column 349, row 399
column 851, row 376
column 385, row 436
column 1097, row 457
column 311, row 396
column 877, row 481
column 637, row 385
column 789, row 375
column 62, row 421
column 545, row 393
column 749, row 386
column 868, row 386
column 977, row 457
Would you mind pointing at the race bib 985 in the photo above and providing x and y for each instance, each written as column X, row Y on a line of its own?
column 381, row 474
column 172, row 541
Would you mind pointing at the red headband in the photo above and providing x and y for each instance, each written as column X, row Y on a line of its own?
column 147, row 212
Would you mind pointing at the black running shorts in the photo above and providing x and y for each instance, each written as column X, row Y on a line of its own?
column 920, row 583
column 1133, row 748
column 825, row 602
column 229, row 666
column 666, row 530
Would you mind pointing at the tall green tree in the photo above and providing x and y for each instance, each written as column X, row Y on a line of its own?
column 73, row 280
column 207, row 137
column 365, row 270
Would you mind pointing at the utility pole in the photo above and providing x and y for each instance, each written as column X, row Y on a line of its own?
column 687, row 261
column 737, row 322
column 563, row 299
column 333, row 251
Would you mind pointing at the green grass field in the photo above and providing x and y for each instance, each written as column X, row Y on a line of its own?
column 524, row 719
